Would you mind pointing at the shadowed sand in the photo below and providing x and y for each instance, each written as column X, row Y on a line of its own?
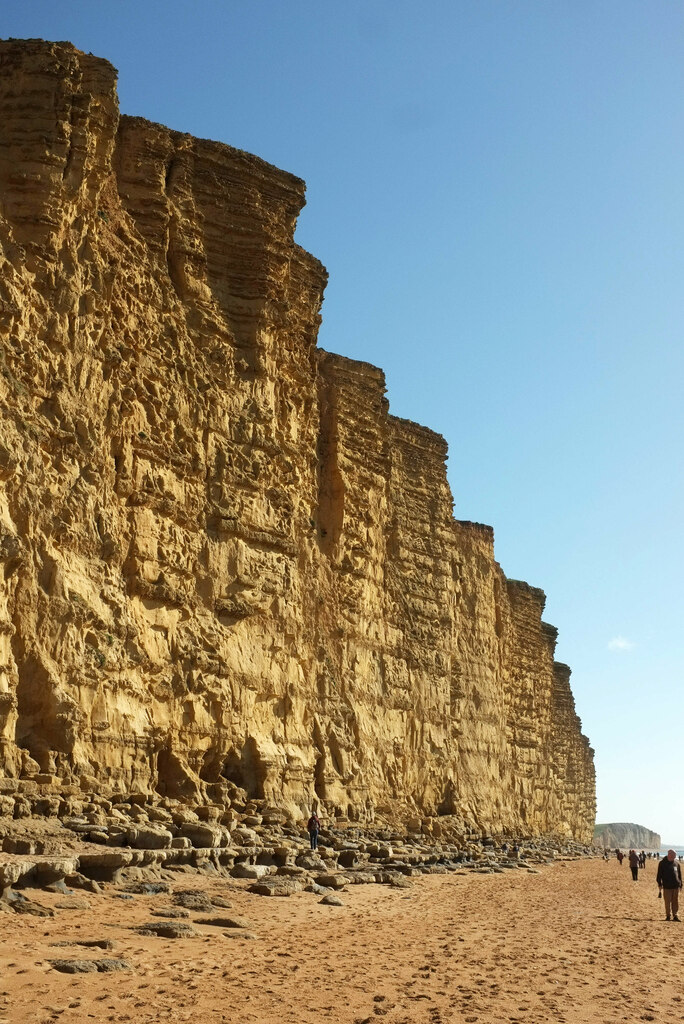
column 577, row 942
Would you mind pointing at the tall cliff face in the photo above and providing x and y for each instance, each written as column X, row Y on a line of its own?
column 224, row 563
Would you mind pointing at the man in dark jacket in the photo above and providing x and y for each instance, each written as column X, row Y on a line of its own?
column 313, row 827
column 669, row 879
column 634, row 865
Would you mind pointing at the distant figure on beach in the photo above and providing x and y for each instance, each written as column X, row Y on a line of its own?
column 642, row 859
column 620, row 856
column 313, row 827
column 634, row 865
column 669, row 879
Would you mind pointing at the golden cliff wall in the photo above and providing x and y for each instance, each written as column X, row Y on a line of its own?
column 224, row 563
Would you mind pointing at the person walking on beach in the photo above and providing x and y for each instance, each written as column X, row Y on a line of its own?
column 620, row 856
column 634, row 865
column 669, row 879
column 313, row 827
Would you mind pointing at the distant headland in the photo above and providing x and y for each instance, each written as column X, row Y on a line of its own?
column 626, row 834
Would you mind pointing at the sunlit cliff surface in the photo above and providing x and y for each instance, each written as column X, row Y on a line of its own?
column 225, row 565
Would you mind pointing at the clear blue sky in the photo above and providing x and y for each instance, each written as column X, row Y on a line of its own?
column 496, row 188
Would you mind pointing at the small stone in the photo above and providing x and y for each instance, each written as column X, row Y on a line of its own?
column 220, row 901
column 73, row 903
column 173, row 912
column 331, row 900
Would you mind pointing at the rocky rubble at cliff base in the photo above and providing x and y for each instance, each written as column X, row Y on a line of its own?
column 147, row 857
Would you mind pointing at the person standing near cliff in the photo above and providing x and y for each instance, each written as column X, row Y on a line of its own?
column 669, row 879
column 634, row 865
column 313, row 827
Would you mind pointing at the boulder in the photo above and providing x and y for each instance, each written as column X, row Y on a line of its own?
column 168, row 929
column 204, row 834
column 11, row 870
column 251, row 819
column 192, row 899
column 51, row 869
column 244, row 836
column 310, row 861
column 276, row 887
column 250, row 870
column 332, row 881
column 105, row 866
column 150, row 836
column 103, row 966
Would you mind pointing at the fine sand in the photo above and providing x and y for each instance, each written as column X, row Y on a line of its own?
column 578, row 941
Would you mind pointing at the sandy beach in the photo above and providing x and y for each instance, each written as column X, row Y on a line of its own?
column 576, row 942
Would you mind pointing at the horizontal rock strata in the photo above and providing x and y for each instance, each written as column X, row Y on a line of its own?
column 229, row 574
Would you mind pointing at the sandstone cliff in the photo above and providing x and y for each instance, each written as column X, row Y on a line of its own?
column 226, row 568
column 625, row 836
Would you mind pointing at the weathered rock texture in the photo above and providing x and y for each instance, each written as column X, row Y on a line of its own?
column 224, row 563
column 624, row 835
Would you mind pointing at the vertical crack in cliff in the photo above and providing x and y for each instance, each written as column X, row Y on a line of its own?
column 331, row 489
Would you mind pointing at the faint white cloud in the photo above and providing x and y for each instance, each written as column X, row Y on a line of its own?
column 620, row 643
